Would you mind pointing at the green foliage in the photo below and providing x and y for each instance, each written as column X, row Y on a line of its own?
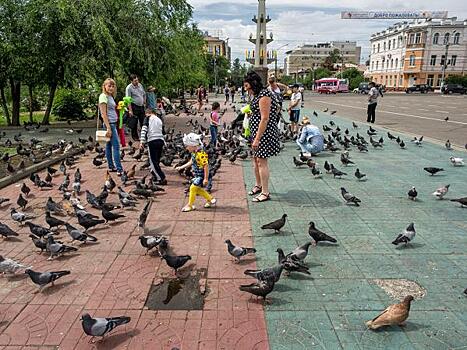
column 457, row 79
column 70, row 104
column 238, row 72
column 287, row 79
column 217, row 64
column 354, row 76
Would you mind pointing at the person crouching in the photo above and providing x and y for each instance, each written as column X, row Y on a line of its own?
column 311, row 140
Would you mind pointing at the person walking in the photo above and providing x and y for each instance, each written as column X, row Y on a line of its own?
column 311, row 140
column 152, row 134
column 108, row 113
column 151, row 98
column 264, row 133
column 294, row 108
column 226, row 94
column 200, row 96
column 232, row 93
column 136, row 110
column 372, row 102
column 214, row 121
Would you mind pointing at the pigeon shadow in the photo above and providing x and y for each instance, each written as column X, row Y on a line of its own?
column 247, row 261
column 115, row 340
column 156, row 230
column 280, row 233
column 324, row 155
column 409, row 327
column 57, row 287
column 411, row 245
column 327, row 244
column 17, row 277
column 283, row 288
column 13, row 239
column 300, row 276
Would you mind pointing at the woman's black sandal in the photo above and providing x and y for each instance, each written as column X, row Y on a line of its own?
column 255, row 190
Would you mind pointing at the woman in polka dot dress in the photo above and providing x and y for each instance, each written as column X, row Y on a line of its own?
column 264, row 133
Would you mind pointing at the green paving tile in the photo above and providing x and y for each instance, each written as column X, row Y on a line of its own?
column 333, row 305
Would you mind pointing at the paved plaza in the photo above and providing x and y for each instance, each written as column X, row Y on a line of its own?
column 350, row 282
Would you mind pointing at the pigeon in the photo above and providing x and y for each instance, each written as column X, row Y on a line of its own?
column 4, row 200
column 291, row 265
column 238, row 252
column 44, row 278
column 433, row 170
column 327, row 167
column 448, row 145
column 176, row 261
column 360, row 176
column 402, row 144
column 38, row 230
column 412, row 194
column 88, row 222
column 267, row 273
column 297, row 162
column 394, row 315
column 441, row 192
column 150, row 242
column 25, row 189
column 77, row 235
column 259, row 288
column 53, row 206
column 345, row 161
column 38, row 242
column 109, row 216
column 19, row 216
column 52, row 221
column 349, row 197
column 325, row 110
column 456, row 161
column 6, row 231
column 446, row 119
column 315, row 114
column 99, row 327
column 319, row 236
column 406, row 236
column 462, row 201
column 10, row 266
column 276, row 225
column 301, row 252
column 337, row 172
column 22, row 202
column 354, row 125
column 333, row 112
column 418, row 142
column 57, row 248
column 144, row 214
column 316, row 172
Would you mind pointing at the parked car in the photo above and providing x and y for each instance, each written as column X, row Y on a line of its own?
column 453, row 89
column 287, row 94
column 421, row 88
column 363, row 88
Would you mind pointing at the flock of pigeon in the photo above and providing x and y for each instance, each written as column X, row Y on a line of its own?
column 231, row 146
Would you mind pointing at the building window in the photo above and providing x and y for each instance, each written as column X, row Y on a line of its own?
column 394, row 43
column 453, row 60
column 443, row 59
column 438, row 83
column 446, row 39
column 390, row 80
column 435, row 38
column 433, row 60
column 411, row 39
column 400, row 80
column 457, row 37
column 397, row 63
column 372, row 65
column 399, row 41
column 392, row 62
column 378, row 47
column 411, row 61
column 377, row 64
column 389, row 45
column 384, row 46
column 374, row 48
column 418, row 38
column 430, row 79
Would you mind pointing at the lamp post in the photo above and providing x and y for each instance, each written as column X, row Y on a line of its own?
column 445, row 63
column 275, row 60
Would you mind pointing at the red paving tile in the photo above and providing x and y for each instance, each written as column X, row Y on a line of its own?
column 113, row 276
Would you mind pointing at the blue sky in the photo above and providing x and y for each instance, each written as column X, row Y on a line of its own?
column 299, row 22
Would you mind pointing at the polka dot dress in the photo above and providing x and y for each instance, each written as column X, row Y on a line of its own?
column 269, row 144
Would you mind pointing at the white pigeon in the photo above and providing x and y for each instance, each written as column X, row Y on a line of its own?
column 441, row 192
column 457, row 161
column 10, row 266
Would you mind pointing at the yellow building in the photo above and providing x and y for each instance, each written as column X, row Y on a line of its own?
column 216, row 46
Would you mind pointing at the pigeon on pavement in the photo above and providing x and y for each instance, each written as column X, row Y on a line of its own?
column 109, row 216
column 360, row 176
column 297, row 162
column 259, row 288
column 441, row 192
column 456, row 161
column 433, row 170
column 19, row 216
column 267, row 273
column 77, row 235
column 44, row 278
column 394, row 315
column 10, row 266
column 88, row 222
column 300, row 252
column 22, row 202
column 6, row 231
column 99, row 327
column 57, row 248
column 238, row 252
column 276, row 225
column 406, row 236
column 38, row 230
column 349, row 197
column 412, row 194
column 462, row 201
column 319, row 236
column 448, row 145
column 291, row 265
column 52, row 221
column 337, row 172
column 38, row 242
column 176, row 261
column 150, row 242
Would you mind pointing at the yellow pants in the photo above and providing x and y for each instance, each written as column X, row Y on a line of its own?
column 197, row 191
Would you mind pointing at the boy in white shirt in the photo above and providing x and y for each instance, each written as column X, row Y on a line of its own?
column 294, row 108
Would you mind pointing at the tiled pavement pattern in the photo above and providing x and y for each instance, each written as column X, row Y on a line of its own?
column 113, row 277
column 327, row 310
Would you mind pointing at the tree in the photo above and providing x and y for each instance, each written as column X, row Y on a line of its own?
column 238, row 72
column 217, row 69
column 333, row 58
column 354, row 76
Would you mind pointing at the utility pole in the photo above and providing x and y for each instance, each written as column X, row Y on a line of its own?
column 445, row 64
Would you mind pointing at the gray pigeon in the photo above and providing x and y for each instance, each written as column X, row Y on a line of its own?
column 44, row 278
column 19, row 216
column 319, row 236
column 150, row 242
column 10, row 266
column 349, row 197
column 301, row 252
column 6, row 231
column 57, row 248
column 267, row 273
column 412, row 194
column 238, row 252
column 406, row 236
column 77, row 235
column 99, row 327
column 276, row 225
column 259, row 288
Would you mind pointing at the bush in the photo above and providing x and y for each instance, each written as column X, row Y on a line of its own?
column 457, row 79
column 69, row 104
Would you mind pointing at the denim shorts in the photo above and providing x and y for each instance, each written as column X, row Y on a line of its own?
column 294, row 115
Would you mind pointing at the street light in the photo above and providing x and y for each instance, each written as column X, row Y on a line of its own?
column 275, row 61
column 445, row 63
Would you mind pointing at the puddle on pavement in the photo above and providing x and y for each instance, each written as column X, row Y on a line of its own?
column 182, row 293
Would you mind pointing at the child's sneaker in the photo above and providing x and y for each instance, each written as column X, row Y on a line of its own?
column 210, row 203
column 188, row 208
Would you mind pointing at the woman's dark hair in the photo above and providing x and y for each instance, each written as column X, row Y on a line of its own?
column 215, row 106
column 255, row 82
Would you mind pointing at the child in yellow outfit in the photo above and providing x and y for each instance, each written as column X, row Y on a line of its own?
column 200, row 167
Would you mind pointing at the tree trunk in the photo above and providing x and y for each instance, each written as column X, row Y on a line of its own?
column 30, row 104
column 52, row 89
column 16, row 97
column 6, row 112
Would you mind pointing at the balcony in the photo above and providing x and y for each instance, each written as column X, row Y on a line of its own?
column 416, row 45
